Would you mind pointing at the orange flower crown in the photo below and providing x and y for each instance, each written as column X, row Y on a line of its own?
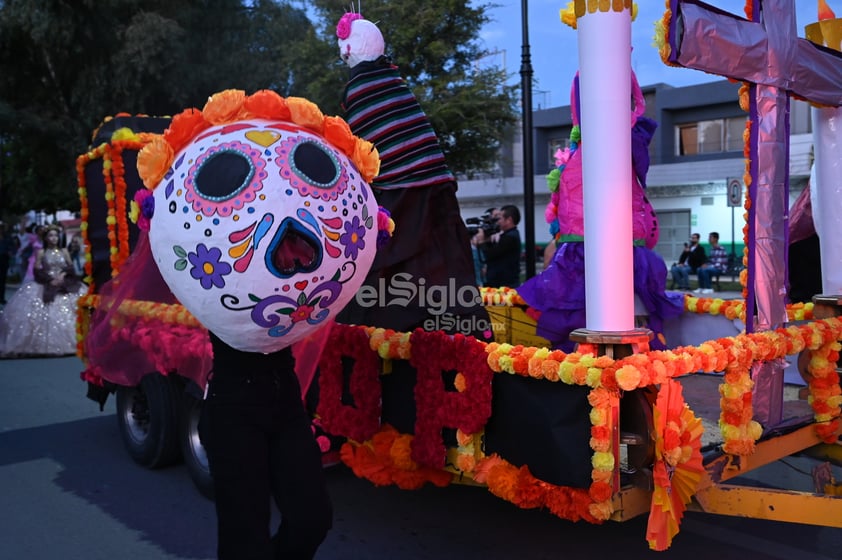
column 232, row 105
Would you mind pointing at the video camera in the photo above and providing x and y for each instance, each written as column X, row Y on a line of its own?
column 487, row 223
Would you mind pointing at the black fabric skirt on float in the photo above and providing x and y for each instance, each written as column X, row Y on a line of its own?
column 424, row 277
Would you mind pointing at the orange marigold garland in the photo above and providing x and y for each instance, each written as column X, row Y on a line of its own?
column 603, row 461
column 386, row 459
column 389, row 344
column 825, row 395
column 747, row 181
column 81, row 163
column 662, row 36
column 739, row 431
column 518, row 486
column 500, row 296
column 111, row 217
column 118, row 172
column 735, row 308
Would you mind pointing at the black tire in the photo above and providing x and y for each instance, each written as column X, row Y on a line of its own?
column 148, row 418
column 195, row 457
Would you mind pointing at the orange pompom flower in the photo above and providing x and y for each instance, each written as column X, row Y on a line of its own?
column 266, row 104
column 153, row 161
column 306, row 113
column 184, row 127
column 225, row 107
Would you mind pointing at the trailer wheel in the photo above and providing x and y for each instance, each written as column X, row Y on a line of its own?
column 195, row 457
column 147, row 415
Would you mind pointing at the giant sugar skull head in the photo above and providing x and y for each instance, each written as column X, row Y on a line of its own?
column 264, row 225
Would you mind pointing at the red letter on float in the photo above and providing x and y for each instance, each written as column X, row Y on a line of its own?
column 432, row 354
column 362, row 420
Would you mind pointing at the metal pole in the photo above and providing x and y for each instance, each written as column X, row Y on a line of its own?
column 528, row 174
column 733, row 251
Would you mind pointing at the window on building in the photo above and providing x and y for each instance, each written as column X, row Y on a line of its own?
column 554, row 145
column 710, row 137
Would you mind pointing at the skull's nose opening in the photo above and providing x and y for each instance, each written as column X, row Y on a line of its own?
column 293, row 250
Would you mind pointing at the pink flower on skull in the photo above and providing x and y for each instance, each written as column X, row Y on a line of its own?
column 343, row 28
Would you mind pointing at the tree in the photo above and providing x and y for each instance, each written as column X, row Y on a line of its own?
column 435, row 44
column 67, row 64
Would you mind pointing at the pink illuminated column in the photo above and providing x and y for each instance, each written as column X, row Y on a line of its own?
column 826, row 176
column 605, row 94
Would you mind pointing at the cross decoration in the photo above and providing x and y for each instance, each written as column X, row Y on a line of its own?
column 767, row 53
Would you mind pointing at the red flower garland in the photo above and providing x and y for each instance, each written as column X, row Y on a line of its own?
column 361, row 421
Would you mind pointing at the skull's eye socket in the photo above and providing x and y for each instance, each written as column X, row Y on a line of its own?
column 312, row 163
column 223, row 174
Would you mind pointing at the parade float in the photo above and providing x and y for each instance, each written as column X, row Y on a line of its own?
column 608, row 431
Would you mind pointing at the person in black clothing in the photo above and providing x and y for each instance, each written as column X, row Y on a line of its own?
column 259, row 442
column 692, row 258
column 502, row 250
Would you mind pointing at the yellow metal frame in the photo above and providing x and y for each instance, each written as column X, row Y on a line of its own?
column 718, row 497
column 713, row 496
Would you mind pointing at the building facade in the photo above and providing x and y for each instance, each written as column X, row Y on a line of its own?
column 696, row 152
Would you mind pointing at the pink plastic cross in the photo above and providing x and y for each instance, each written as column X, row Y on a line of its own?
column 768, row 54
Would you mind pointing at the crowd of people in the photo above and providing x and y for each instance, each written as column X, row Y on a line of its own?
column 39, row 318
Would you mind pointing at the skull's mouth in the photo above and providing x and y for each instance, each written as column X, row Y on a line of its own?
column 294, row 249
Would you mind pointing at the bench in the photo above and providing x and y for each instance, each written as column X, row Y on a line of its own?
column 735, row 266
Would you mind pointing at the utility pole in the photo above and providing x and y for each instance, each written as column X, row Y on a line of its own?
column 528, row 175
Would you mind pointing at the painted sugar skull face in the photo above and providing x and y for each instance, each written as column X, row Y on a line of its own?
column 263, row 230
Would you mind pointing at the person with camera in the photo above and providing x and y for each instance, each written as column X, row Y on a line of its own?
column 501, row 250
column 486, row 223
column 692, row 258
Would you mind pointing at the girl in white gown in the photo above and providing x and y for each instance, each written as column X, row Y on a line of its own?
column 40, row 318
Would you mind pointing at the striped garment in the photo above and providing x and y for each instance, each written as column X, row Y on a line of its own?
column 380, row 107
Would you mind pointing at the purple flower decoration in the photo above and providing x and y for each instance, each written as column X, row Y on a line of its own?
column 143, row 208
column 207, row 268
column 352, row 239
column 385, row 227
column 147, row 207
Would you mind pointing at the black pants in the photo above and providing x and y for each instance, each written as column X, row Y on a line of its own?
column 260, row 445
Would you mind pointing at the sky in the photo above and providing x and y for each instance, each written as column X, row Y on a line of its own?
column 554, row 52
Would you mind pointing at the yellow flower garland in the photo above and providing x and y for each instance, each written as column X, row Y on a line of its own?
column 500, row 296
column 165, row 312
column 735, row 308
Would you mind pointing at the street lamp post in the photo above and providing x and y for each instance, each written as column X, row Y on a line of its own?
column 528, row 177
